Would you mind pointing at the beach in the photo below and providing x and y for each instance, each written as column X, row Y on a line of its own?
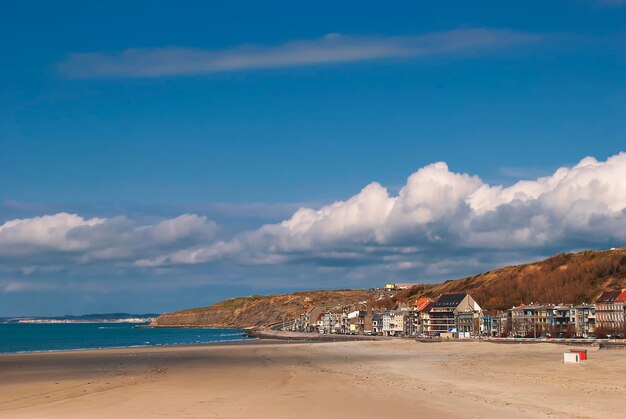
column 311, row 380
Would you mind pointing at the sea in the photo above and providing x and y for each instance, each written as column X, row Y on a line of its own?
column 45, row 337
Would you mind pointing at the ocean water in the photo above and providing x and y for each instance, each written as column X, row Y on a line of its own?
column 69, row 336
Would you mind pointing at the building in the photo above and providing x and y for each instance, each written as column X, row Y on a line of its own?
column 331, row 323
column 308, row 321
column 424, row 320
column 405, row 286
column 452, row 312
column 355, row 322
column 585, row 322
column 564, row 320
column 421, row 303
column 399, row 286
column 610, row 312
column 520, row 320
column 495, row 324
column 367, row 324
column 393, row 322
column 377, row 324
column 551, row 321
column 412, row 319
column 411, row 322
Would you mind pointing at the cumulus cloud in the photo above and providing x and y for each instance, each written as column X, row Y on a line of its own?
column 332, row 48
column 439, row 213
column 46, row 232
column 97, row 238
column 439, row 224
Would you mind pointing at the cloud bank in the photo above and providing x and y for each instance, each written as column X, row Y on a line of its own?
column 440, row 222
column 332, row 48
column 440, row 211
column 62, row 236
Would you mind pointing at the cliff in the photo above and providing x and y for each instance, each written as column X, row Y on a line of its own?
column 261, row 310
column 564, row 278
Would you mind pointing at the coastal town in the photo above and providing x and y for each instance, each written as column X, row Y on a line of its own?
column 459, row 316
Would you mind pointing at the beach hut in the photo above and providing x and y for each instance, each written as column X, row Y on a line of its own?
column 571, row 358
column 582, row 353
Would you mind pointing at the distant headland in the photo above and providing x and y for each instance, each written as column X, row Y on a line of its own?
column 85, row 318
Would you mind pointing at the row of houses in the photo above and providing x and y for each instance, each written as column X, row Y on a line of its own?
column 607, row 317
column 459, row 315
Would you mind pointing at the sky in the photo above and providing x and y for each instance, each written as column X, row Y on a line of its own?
column 159, row 155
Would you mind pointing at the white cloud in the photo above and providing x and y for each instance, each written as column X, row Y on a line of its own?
column 46, row 232
column 217, row 251
column 97, row 238
column 332, row 48
column 439, row 223
column 439, row 211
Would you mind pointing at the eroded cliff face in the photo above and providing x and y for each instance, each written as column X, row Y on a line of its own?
column 261, row 310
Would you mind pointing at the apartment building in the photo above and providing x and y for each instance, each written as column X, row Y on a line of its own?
column 610, row 311
column 585, row 323
column 331, row 323
column 450, row 309
column 551, row 320
column 424, row 319
column 412, row 319
column 393, row 322
column 494, row 324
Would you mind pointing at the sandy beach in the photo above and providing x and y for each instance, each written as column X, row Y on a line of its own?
column 337, row 379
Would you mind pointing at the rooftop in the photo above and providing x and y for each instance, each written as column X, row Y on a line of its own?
column 449, row 300
column 421, row 303
column 612, row 296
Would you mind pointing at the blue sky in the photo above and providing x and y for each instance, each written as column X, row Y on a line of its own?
column 239, row 114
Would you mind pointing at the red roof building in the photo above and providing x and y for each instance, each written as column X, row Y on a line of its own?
column 421, row 304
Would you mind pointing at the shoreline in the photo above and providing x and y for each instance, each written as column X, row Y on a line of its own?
column 175, row 345
column 160, row 348
column 269, row 336
column 260, row 337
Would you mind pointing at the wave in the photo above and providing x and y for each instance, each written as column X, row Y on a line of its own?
column 145, row 345
column 111, row 336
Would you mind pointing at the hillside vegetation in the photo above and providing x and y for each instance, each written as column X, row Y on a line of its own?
column 570, row 278
column 564, row 278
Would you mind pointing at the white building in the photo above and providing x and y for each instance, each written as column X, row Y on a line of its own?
column 393, row 322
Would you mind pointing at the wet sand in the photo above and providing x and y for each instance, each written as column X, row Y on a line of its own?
column 338, row 379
